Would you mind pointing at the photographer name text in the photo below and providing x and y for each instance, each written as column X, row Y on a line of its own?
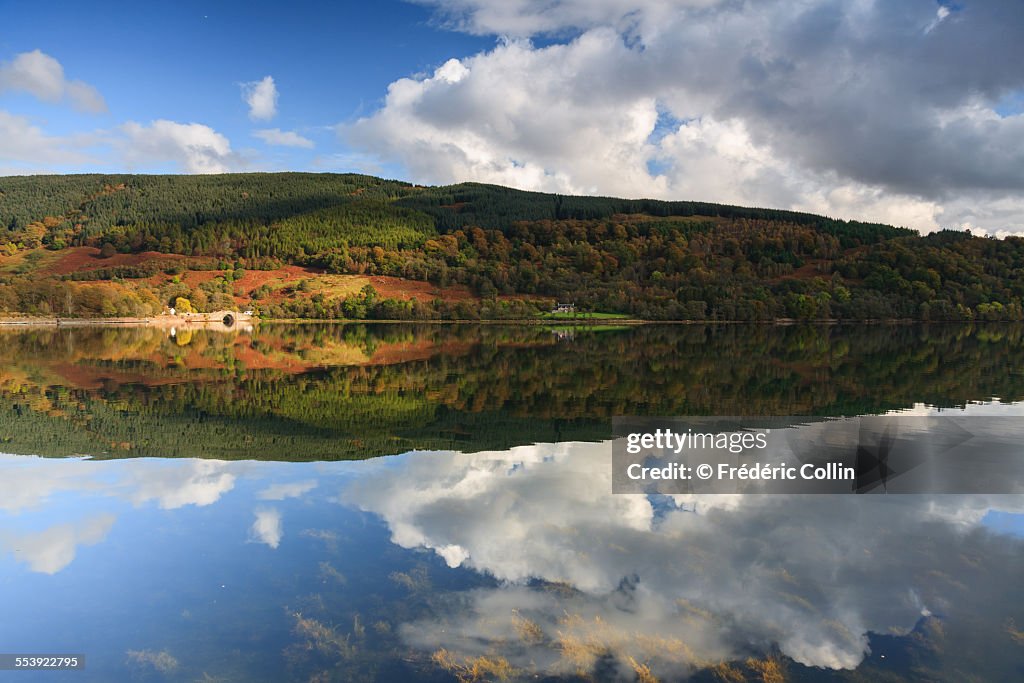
column 833, row 471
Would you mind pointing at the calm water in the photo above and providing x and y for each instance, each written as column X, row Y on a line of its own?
column 391, row 503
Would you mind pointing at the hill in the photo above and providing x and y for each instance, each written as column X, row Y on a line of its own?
column 354, row 246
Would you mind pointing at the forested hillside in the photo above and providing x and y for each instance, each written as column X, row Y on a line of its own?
column 353, row 246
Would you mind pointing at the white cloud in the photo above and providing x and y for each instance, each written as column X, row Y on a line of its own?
column 849, row 109
column 27, row 485
column 194, row 482
column 283, row 138
column 294, row 489
column 193, row 147
column 41, row 75
column 267, row 527
column 25, row 147
column 188, row 147
column 940, row 16
column 261, row 96
column 552, row 119
column 548, row 131
column 30, row 482
column 51, row 550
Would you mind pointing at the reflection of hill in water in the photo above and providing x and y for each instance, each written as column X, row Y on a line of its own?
column 348, row 391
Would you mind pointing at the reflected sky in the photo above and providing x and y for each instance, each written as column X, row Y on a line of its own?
column 430, row 565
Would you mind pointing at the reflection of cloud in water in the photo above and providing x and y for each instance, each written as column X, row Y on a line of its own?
column 173, row 485
column 50, row 550
column 293, row 489
column 267, row 527
column 712, row 575
column 993, row 408
column 29, row 482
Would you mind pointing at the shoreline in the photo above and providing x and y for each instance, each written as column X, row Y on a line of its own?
column 247, row 322
column 239, row 321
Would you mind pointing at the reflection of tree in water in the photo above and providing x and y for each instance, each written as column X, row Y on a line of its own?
column 343, row 391
column 162, row 662
column 183, row 337
column 341, row 634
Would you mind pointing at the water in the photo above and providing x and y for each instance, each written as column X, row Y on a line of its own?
column 433, row 503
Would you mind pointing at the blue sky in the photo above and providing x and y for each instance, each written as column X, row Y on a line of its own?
column 188, row 61
column 910, row 113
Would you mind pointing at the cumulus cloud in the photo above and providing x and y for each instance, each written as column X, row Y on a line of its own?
column 549, row 132
column 261, row 96
column 643, row 576
column 42, row 76
column 52, row 549
column 193, row 147
column 266, row 528
column 283, row 138
column 864, row 110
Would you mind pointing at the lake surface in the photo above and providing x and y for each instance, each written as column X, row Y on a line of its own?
column 433, row 502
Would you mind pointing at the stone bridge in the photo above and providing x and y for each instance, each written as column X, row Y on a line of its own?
column 216, row 318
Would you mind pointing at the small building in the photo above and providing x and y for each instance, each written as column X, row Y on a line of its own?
column 564, row 308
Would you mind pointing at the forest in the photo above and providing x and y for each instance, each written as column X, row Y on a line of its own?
column 346, row 246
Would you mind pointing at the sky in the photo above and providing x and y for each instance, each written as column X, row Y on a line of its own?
column 907, row 112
